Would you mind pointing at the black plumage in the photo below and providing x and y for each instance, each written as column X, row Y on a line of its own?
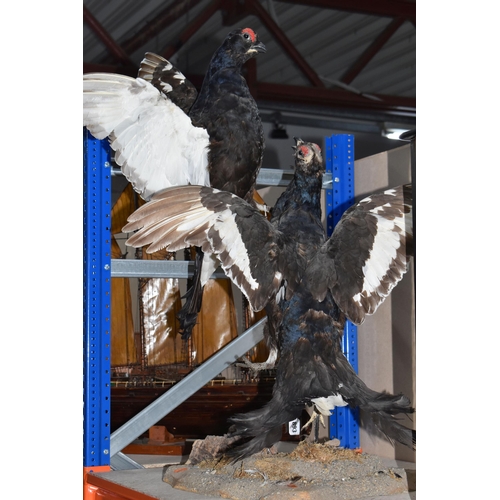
column 165, row 133
column 169, row 80
column 308, row 284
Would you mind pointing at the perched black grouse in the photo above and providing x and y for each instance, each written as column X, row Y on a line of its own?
column 309, row 284
column 164, row 134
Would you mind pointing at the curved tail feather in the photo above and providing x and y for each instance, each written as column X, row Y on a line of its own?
column 381, row 406
column 393, row 430
column 264, row 426
column 188, row 314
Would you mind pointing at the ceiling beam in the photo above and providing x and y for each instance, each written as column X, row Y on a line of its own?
column 316, row 116
column 192, row 28
column 282, row 39
column 312, row 96
column 115, row 49
column 302, row 96
column 162, row 20
column 371, row 51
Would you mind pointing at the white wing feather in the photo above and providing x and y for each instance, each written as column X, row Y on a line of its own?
column 155, row 142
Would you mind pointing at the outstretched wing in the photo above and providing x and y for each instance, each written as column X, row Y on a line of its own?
column 155, row 143
column 367, row 254
column 244, row 241
column 164, row 76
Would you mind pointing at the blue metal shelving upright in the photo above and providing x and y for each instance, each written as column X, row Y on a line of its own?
column 97, row 301
column 344, row 421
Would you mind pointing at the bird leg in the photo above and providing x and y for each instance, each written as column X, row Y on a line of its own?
column 257, row 367
column 263, row 208
column 260, row 204
column 314, row 416
column 323, row 407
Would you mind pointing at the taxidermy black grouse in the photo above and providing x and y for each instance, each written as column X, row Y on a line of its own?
column 164, row 134
column 309, row 284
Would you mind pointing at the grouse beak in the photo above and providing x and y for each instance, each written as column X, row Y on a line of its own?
column 298, row 142
column 258, row 47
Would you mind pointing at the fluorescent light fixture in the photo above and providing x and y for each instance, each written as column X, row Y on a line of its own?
column 393, row 130
column 279, row 130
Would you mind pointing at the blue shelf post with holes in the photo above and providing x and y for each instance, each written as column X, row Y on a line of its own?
column 344, row 421
column 97, row 303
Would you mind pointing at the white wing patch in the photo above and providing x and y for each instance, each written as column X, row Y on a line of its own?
column 384, row 251
column 167, row 67
column 180, row 76
column 166, row 87
column 208, row 267
column 238, row 256
column 282, row 290
column 155, row 142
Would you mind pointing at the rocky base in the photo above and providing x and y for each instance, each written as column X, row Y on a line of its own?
column 319, row 471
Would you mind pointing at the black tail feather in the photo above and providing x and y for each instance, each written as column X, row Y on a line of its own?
column 393, row 430
column 264, row 427
column 188, row 314
column 256, row 444
column 381, row 406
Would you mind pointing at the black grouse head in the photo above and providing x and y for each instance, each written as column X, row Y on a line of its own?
column 241, row 45
column 308, row 158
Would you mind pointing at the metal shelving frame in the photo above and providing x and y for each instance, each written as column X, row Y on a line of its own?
column 344, row 421
column 102, row 449
column 96, row 301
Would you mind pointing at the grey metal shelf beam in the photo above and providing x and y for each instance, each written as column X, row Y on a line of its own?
column 281, row 178
column 267, row 177
column 135, row 268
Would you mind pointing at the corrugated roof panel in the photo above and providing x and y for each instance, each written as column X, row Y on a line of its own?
column 171, row 34
column 330, row 41
column 338, row 56
column 392, row 70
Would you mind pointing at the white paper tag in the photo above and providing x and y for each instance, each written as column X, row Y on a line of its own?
column 294, row 427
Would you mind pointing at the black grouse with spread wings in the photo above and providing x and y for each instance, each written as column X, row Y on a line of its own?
column 308, row 284
column 165, row 134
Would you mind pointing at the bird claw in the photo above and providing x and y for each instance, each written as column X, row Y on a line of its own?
column 314, row 416
column 255, row 368
column 262, row 208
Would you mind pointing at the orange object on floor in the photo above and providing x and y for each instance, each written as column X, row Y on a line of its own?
column 90, row 491
column 99, row 488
